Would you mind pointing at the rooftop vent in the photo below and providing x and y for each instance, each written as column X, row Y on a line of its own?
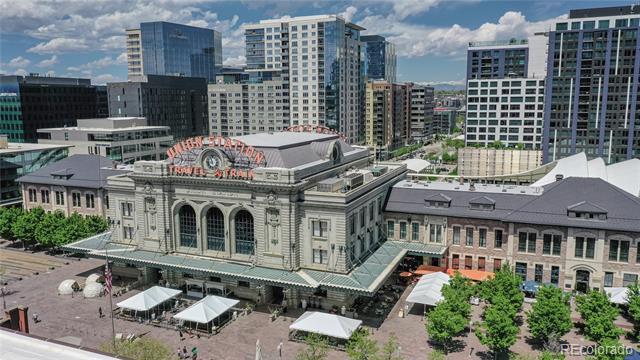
column 559, row 177
column 353, row 180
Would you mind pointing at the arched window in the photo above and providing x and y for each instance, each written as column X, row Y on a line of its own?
column 245, row 242
column 215, row 230
column 187, row 226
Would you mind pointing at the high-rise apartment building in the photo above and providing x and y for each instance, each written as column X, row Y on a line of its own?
column 505, row 92
column 28, row 103
column 318, row 58
column 421, row 117
column 592, row 85
column 163, row 48
column 177, row 102
column 444, row 120
column 397, row 114
column 378, row 58
column 248, row 107
column 508, row 110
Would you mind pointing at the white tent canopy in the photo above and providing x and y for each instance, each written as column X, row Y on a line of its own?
column 617, row 295
column 67, row 287
column 207, row 309
column 149, row 298
column 416, row 165
column 92, row 289
column 326, row 324
column 95, row 278
column 428, row 290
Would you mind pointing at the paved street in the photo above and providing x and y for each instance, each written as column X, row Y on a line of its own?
column 78, row 317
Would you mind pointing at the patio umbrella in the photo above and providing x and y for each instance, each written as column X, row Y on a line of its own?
column 258, row 350
column 406, row 274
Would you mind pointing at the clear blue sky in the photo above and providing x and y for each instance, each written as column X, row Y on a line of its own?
column 86, row 38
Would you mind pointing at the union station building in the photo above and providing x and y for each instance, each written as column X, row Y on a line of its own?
column 301, row 215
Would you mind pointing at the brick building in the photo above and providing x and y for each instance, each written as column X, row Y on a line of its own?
column 577, row 233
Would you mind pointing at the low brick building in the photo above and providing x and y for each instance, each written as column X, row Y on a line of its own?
column 577, row 233
column 75, row 184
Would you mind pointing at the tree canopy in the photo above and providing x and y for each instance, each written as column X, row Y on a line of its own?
column 362, row 347
column 505, row 284
column 141, row 349
column 550, row 316
column 316, row 349
column 498, row 331
column 633, row 301
column 598, row 315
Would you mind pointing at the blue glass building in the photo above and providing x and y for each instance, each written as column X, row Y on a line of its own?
column 180, row 50
column 379, row 58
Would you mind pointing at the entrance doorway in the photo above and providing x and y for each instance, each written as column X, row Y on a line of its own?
column 278, row 295
column 582, row 281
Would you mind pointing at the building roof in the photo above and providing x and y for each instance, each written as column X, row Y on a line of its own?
column 530, row 205
column 20, row 346
column 625, row 174
column 85, row 171
column 19, row 148
column 416, row 165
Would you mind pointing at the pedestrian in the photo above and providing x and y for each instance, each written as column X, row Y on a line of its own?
column 100, row 312
column 179, row 353
column 180, row 332
column 280, row 349
column 184, row 352
column 194, row 353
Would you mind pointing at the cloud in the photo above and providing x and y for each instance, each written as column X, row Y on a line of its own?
column 414, row 40
column 48, row 62
column 441, row 82
column 405, row 8
column 18, row 62
column 100, row 63
column 348, row 13
column 21, row 72
column 235, row 61
column 59, row 45
column 122, row 58
column 104, row 78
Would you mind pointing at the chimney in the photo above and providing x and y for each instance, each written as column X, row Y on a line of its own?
column 559, row 177
column 23, row 319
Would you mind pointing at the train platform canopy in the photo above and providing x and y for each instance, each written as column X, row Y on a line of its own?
column 365, row 279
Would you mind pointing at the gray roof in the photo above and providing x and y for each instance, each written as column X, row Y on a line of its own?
column 85, row 171
column 546, row 207
column 284, row 139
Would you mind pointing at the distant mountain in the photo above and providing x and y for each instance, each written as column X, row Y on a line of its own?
column 445, row 85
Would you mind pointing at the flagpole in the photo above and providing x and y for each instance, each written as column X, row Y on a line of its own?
column 110, row 287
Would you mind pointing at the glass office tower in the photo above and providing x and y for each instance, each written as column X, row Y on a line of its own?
column 180, row 50
column 379, row 58
column 592, row 84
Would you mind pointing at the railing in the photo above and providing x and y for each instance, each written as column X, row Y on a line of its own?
column 499, row 42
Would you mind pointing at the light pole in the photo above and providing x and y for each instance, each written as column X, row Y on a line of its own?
column 4, row 302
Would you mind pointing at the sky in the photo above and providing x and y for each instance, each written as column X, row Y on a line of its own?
column 86, row 39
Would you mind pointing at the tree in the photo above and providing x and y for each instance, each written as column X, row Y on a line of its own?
column 361, row 346
column 50, row 231
column 443, row 324
column 505, row 283
column 8, row 217
column 317, row 348
column 498, row 331
column 24, row 228
column 633, row 301
column 391, row 349
column 96, row 224
column 75, row 228
column 140, row 349
column 550, row 316
column 610, row 349
column 457, row 293
column 598, row 315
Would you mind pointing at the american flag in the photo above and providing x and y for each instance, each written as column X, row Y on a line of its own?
column 107, row 279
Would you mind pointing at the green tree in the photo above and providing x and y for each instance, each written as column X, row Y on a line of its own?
column 498, row 331
column 610, row 349
column 50, row 229
column 505, row 283
column 361, row 346
column 598, row 315
column 317, row 348
column 96, row 224
column 550, row 316
column 633, row 301
column 436, row 355
column 497, row 145
column 140, row 349
column 24, row 228
column 443, row 324
column 391, row 349
column 75, row 228
column 8, row 217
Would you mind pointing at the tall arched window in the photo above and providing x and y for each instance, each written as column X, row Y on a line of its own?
column 187, row 226
column 215, row 230
column 245, row 241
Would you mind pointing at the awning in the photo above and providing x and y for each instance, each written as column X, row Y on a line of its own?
column 428, row 290
column 326, row 324
column 207, row 309
column 617, row 295
column 475, row 275
column 149, row 298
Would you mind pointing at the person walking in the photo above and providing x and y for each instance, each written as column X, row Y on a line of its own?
column 100, row 312
column 280, row 349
